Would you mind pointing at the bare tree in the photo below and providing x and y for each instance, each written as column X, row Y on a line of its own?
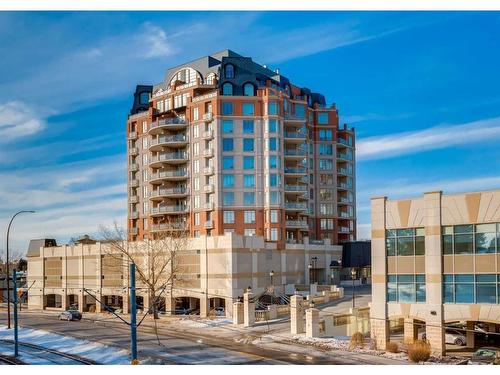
column 156, row 259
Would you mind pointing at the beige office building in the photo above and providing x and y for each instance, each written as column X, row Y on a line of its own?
column 214, row 272
column 436, row 261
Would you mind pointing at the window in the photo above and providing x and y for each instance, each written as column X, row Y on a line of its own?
column 325, row 149
column 250, row 232
column 227, row 126
column 326, row 164
column 322, row 118
column 210, row 80
column 326, row 194
column 227, row 144
column 196, row 201
column 227, row 181
column 196, row 113
column 248, row 126
column 227, row 108
column 273, row 162
column 406, row 288
column 272, row 108
column 196, row 131
column 248, row 162
column 249, row 180
column 228, row 231
column 247, row 109
column 272, row 126
column 405, row 242
column 273, row 144
column 300, row 111
column 196, row 183
column 326, row 224
column 274, row 216
column 326, row 209
column 248, row 89
column 196, row 166
column 468, row 288
column 325, row 135
column 274, row 197
column 273, row 234
column 144, row 98
column 468, row 239
column 249, row 217
column 196, row 149
column 248, row 198
column 227, row 162
column 228, row 217
column 227, row 89
column 197, row 218
column 145, row 192
column 273, row 180
column 248, row 144
column 228, row 198
column 229, row 71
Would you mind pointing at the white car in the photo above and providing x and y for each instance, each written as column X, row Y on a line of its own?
column 452, row 337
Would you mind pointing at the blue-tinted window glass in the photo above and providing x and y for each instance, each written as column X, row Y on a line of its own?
column 392, row 292
column 406, row 292
column 273, row 161
column 247, row 144
column 227, row 108
column 464, row 278
column 405, row 278
column 249, row 180
column 464, row 293
column 228, row 180
column 228, row 198
column 273, row 126
column 273, row 144
column 227, row 144
column 486, row 278
column 392, row 278
column 229, row 71
column 485, row 243
column 248, row 89
column 227, row 89
column 227, row 162
column 227, row 126
column 448, row 278
column 486, row 293
column 248, row 162
column 248, row 126
column 274, row 197
column 463, row 244
column 249, row 197
column 322, row 118
column 420, row 292
column 300, row 111
column 448, row 293
column 273, row 179
column 272, row 108
column 247, row 109
column 420, row 278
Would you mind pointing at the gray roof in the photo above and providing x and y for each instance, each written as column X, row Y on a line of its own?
column 35, row 245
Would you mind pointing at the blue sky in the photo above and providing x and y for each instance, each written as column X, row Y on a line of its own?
column 421, row 89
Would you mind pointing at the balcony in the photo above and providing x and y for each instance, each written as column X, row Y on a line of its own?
column 296, row 172
column 165, row 210
column 209, row 153
column 175, row 225
column 209, row 134
column 344, row 230
column 176, row 175
column 343, row 142
column 168, row 158
column 133, row 199
column 344, row 186
column 344, row 156
column 294, row 118
column 297, row 224
column 208, row 170
column 208, row 206
column 176, row 192
column 208, row 117
column 134, row 231
column 295, row 189
column 133, row 183
column 132, row 135
column 343, row 200
column 134, row 215
column 133, row 151
column 209, row 224
column 344, row 171
column 295, row 206
column 295, row 154
column 295, row 137
column 175, row 123
column 178, row 140
column 209, row 188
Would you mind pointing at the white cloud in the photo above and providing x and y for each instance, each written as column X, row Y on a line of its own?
column 443, row 136
column 364, row 231
column 19, row 120
column 155, row 38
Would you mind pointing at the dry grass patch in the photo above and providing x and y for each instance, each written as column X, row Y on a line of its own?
column 392, row 347
column 419, row 351
column 357, row 340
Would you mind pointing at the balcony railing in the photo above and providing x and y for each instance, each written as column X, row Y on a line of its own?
column 169, row 139
column 343, row 141
column 179, row 225
column 168, row 191
column 133, row 167
column 344, row 200
column 169, row 209
column 134, row 183
column 342, row 155
column 296, row 206
column 344, row 230
column 169, row 156
column 295, row 135
column 169, row 121
column 134, row 215
column 209, row 134
column 133, row 151
column 295, row 170
column 208, row 153
column 344, row 214
column 294, row 117
column 299, row 188
column 209, row 188
column 167, row 174
column 133, row 199
column 342, row 185
column 208, row 170
column 296, row 152
column 296, row 224
column 345, row 171
column 134, row 231
column 209, row 206
column 208, row 116
column 132, row 135
column 209, row 224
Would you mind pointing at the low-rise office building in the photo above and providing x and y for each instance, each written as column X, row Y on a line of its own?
column 216, row 271
column 436, row 261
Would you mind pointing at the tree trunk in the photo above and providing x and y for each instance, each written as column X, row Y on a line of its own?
column 153, row 304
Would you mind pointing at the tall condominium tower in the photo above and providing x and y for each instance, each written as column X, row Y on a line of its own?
column 224, row 144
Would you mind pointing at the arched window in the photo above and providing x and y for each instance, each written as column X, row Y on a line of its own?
column 210, row 80
column 229, row 71
column 248, row 89
column 186, row 75
column 227, row 89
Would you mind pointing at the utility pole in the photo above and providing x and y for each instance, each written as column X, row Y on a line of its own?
column 16, row 333
column 133, row 317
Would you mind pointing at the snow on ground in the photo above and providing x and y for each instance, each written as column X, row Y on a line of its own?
column 204, row 323
column 342, row 343
column 100, row 353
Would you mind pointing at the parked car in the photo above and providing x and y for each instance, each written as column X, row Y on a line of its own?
column 70, row 315
column 485, row 356
column 451, row 336
column 219, row 311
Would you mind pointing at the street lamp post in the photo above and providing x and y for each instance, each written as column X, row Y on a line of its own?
column 353, row 275
column 271, row 275
column 7, row 261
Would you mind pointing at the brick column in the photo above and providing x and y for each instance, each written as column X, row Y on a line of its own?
column 296, row 315
column 410, row 331
column 238, row 313
column 378, row 310
column 312, row 323
column 248, row 310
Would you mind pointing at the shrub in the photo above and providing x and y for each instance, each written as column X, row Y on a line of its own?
column 392, row 347
column 419, row 351
column 357, row 339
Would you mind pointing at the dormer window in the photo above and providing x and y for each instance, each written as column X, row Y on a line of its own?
column 248, row 89
column 227, row 89
column 210, row 80
column 229, row 71
column 144, row 98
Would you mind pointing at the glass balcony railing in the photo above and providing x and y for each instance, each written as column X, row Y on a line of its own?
column 169, row 209
column 296, row 206
column 296, row 152
column 295, row 170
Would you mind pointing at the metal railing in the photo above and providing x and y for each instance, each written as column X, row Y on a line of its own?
column 295, row 135
column 168, row 191
column 167, row 209
column 295, row 170
column 168, row 139
column 296, row 223
column 300, row 206
column 299, row 188
column 166, row 174
column 297, row 152
column 169, row 156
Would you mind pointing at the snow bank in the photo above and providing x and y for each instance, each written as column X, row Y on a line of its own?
column 100, row 353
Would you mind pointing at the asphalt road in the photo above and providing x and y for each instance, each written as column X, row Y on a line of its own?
column 176, row 347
